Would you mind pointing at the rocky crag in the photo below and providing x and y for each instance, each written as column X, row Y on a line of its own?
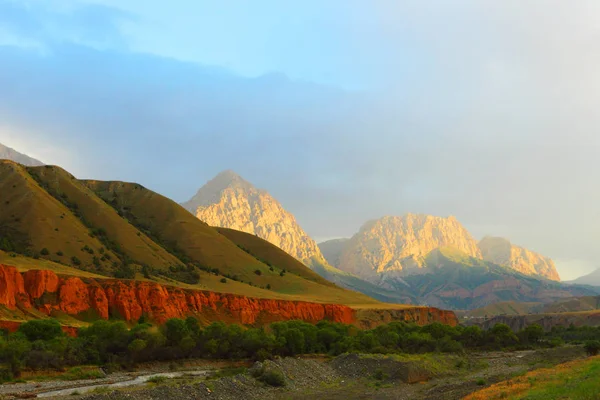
column 502, row 252
column 396, row 246
column 399, row 245
column 129, row 300
column 228, row 201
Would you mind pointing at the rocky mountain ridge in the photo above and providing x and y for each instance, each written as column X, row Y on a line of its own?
column 395, row 246
column 502, row 252
column 398, row 245
column 229, row 201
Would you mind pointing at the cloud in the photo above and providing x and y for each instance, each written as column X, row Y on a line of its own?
column 481, row 110
column 52, row 22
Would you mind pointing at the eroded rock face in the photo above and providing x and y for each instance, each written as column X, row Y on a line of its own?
column 228, row 201
column 400, row 244
column 502, row 252
column 129, row 300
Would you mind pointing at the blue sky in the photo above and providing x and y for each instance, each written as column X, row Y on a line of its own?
column 344, row 110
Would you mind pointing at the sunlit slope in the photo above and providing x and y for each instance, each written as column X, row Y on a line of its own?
column 193, row 241
column 32, row 221
column 103, row 220
column 271, row 254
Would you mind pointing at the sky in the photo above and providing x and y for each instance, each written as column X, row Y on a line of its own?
column 344, row 110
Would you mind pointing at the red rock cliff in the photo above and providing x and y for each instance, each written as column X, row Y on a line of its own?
column 129, row 300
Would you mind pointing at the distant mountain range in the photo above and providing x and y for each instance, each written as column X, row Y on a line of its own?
column 6, row 153
column 392, row 247
column 418, row 259
column 592, row 278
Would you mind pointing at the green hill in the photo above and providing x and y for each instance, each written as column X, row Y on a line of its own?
column 51, row 220
column 454, row 280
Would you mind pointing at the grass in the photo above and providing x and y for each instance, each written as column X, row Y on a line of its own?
column 72, row 374
column 26, row 263
column 436, row 363
column 157, row 380
column 225, row 372
column 576, row 380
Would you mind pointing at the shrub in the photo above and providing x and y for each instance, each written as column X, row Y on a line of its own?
column 223, row 280
column 480, row 382
column 258, row 272
column 592, row 347
column 273, row 378
column 44, row 252
column 41, row 329
column 157, row 379
column 59, row 253
column 76, row 261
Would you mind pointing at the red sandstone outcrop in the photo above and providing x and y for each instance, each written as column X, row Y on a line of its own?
column 130, row 300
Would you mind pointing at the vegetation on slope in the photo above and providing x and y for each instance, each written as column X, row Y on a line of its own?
column 575, row 380
column 129, row 244
column 270, row 254
column 35, row 224
column 49, row 219
column 456, row 281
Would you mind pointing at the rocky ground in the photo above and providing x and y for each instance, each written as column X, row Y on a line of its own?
column 445, row 377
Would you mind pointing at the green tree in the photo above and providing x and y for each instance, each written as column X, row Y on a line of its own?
column 592, row 347
column 41, row 329
column 13, row 352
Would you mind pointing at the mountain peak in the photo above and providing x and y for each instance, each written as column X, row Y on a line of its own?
column 212, row 190
column 399, row 244
column 229, row 201
column 7, row 153
column 228, row 178
column 502, row 252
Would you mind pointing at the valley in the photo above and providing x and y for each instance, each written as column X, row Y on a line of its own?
column 117, row 266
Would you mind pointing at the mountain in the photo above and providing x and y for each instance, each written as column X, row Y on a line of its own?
column 502, row 252
column 392, row 247
column 79, row 250
column 229, row 201
column 124, row 230
column 332, row 249
column 435, row 261
column 452, row 279
column 592, row 278
column 6, row 153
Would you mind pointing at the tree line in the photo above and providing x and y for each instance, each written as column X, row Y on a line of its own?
column 42, row 344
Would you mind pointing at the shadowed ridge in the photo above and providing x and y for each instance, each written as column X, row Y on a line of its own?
column 7, row 153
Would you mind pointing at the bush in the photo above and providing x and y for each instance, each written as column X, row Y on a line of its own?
column 273, row 378
column 41, row 329
column 258, row 272
column 592, row 347
column 44, row 252
column 157, row 379
column 223, row 280
column 76, row 261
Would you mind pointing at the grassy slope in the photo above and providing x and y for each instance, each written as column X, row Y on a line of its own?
column 505, row 308
column 98, row 214
column 576, row 380
column 23, row 264
column 58, row 212
column 178, row 230
column 37, row 220
column 271, row 254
